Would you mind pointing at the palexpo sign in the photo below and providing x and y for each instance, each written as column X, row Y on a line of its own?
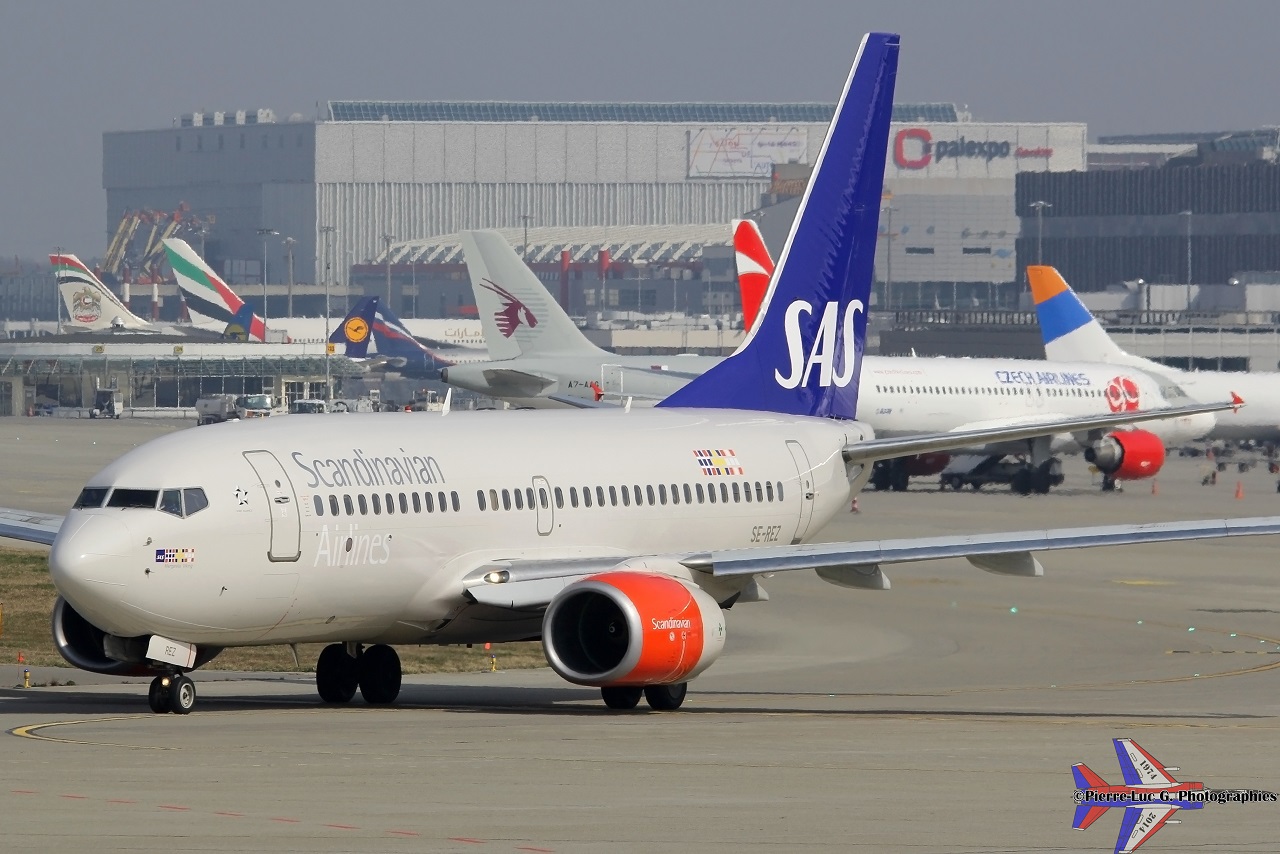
column 915, row 148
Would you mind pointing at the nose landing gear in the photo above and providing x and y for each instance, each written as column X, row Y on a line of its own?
column 172, row 693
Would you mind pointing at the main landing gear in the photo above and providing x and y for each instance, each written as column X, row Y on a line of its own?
column 344, row 667
column 173, row 692
column 661, row 698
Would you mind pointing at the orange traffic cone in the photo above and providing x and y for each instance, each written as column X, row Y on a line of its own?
column 1239, row 489
column 854, row 507
column 22, row 659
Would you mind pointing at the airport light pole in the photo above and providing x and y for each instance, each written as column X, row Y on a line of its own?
column 524, row 247
column 327, row 231
column 1039, row 206
column 288, row 248
column 388, row 240
column 265, row 233
column 1187, row 214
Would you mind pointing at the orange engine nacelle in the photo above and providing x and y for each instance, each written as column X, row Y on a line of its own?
column 631, row 628
column 924, row 465
column 1127, row 454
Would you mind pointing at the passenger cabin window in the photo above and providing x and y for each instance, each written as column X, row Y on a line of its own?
column 688, row 496
column 586, row 496
column 519, row 497
column 404, row 504
column 319, row 502
column 479, row 498
column 626, row 496
column 600, row 496
column 528, row 494
column 429, row 500
column 350, row 508
column 333, row 505
column 91, row 496
column 506, row 499
column 364, row 504
column 377, row 504
column 573, row 496
column 559, row 498
column 134, row 498
column 457, row 502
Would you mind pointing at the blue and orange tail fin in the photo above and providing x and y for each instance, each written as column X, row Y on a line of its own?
column 356, row 329
column 803, row 355
column 1069, row 330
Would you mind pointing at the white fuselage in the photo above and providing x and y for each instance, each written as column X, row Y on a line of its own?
column 897, row 396
column 1258, row 419
column 269, row 561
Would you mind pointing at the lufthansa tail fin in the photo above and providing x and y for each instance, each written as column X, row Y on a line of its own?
column 238, row 328
column 1070, row 331
column 517, row 313
column 804, row 353
column 209, row 299
column 754, row 266
column 90, row 304
column 356, row 329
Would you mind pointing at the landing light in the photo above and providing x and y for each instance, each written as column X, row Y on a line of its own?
column 498, row 576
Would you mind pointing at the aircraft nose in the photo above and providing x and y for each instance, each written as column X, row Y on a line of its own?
column 88, row 555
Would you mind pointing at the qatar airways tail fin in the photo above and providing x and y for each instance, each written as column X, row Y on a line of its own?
column 805, row 350
column 210, row 301
column 517, row 313
column 1070, row 331
column 90, row 304
column 754, row 266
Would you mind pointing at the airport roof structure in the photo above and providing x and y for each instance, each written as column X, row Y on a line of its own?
column 33, row 363
column 643, row 244
column 565, row 111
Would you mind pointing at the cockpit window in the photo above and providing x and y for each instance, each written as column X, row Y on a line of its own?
column 91, row 496
column 194, row 499
column 171, row 502
column 137, row 498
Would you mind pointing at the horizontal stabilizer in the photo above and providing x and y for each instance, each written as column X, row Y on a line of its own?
column 1087, row 815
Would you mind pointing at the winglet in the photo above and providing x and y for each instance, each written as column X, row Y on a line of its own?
column 803, row 355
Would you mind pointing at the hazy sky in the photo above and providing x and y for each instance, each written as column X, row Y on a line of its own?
column 71, row 70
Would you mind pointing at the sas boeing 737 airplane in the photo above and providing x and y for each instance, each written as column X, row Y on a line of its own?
column 617, row 537
column 1070, row 331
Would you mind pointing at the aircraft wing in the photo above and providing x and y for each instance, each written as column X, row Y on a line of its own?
column 1139, row 767
column 532, row 584
column 29, row 527
column 905, row 446
column 1140, row 824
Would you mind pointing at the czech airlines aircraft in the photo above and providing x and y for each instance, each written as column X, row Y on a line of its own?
column 1125, row 455
column 1070, row 331
column 209, row 299
column 617, row 537
column 1150, row 796
column 545, row 360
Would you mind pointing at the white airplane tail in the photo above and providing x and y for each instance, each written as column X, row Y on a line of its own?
column 90, row 304
column 1070, row 331
column 518, row 315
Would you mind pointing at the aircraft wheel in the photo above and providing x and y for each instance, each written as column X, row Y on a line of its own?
column 666, row 698
column 1041, row 481
column 379, row 670
column 336, row 674
column 899, row 480
column 1021, row 482
column 158, row 695
column 182, row 695
column 621, row 698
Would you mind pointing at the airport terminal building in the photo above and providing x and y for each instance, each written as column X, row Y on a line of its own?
column 370, row 175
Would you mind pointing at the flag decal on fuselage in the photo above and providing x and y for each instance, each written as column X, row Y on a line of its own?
column 718, row 462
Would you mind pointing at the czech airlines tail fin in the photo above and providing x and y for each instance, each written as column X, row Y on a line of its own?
column 356, row 328
column 804, row 353
column 517, row 313
column 90, row 303
column 754, row 267
column 1069, row 329
column 209, row 299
